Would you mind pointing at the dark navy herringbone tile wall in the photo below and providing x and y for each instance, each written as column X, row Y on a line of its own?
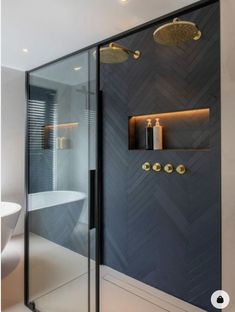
column 164, row 229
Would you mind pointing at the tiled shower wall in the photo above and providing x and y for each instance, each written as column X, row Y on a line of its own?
column 164, row 229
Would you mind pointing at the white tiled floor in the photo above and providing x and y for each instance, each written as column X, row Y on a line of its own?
column 52, row 266
column 61, row 286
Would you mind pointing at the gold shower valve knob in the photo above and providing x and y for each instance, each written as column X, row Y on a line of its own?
column 181, row 169
column 146, row 166
column 168, row 168
column 157, row 167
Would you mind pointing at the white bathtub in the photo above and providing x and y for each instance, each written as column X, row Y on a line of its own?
column 53, row 198
column 9, row 216
column 55, row 214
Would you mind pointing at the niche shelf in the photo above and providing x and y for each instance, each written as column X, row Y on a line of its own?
column 62, row 125
column 49, row 139
column 182, row 130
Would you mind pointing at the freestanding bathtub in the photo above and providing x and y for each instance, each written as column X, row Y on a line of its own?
column 53, row 198
column 55, row 215
column 9, row 216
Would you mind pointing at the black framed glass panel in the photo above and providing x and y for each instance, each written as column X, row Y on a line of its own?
column 61, row 185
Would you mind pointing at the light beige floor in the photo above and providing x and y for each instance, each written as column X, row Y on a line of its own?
column 61, row 283
column 52, row 266
column 12, row 289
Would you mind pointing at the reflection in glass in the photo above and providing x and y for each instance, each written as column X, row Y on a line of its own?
column 61, row 154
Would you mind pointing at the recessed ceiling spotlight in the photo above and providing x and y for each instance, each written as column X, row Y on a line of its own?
column 124, row 1
column 77, row 68
column 25, row 50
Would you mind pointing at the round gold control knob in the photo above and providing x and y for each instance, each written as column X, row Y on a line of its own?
column 168, row 168
column 157, row 167
column 181, row 169
column 146, row 166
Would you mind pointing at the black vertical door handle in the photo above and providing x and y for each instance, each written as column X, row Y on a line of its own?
column 92, row 196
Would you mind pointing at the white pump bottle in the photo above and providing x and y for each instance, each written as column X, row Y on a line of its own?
column 157, row 136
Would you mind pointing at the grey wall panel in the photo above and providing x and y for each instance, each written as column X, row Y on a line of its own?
column 164, row 229
column 116, row 164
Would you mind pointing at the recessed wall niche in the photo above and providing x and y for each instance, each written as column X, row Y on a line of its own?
column 183, row 130
column 58, row 135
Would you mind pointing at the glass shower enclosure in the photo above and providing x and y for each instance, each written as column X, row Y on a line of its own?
column 61, row 270
column 102, row 234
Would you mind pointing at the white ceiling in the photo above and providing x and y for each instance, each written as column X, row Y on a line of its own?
column 50, row 29
column 64, row 72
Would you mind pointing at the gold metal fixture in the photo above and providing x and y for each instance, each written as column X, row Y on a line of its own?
column 116, row 53
column 157, row 167
column 146, row 166
column 176, row 32
column 168, row 168
column 181, row 169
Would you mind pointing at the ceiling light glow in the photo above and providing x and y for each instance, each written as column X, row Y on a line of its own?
column 77, row 68
column 25, row 50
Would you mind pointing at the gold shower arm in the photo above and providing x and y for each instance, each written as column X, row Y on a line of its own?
column 135, row 54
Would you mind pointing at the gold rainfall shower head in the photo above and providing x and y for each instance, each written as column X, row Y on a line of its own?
column 176, row 32
column 115, row 53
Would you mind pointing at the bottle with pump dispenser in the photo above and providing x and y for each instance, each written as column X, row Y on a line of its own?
column 149, row 135
column 157, row 136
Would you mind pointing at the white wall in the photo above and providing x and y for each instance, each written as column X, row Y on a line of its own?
column 13, row 139
column 228, row 148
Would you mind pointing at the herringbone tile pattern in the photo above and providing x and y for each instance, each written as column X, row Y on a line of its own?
column 164, row 229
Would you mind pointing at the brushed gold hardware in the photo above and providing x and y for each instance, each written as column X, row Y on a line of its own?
column 181, row 169
column 168, row 168
column 116, row 53
column 157, row 167
column 136, row 54
column 146, row 166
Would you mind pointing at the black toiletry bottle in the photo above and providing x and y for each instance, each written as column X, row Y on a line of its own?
column 149, row 135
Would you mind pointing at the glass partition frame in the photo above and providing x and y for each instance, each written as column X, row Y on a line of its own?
column 93, row 185
column 98, row 179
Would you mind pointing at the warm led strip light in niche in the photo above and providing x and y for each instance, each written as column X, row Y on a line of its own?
column 63, row 125
column 186, row 114
column 182, row 130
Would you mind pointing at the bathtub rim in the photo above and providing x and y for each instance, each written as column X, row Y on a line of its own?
column 76, row 196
